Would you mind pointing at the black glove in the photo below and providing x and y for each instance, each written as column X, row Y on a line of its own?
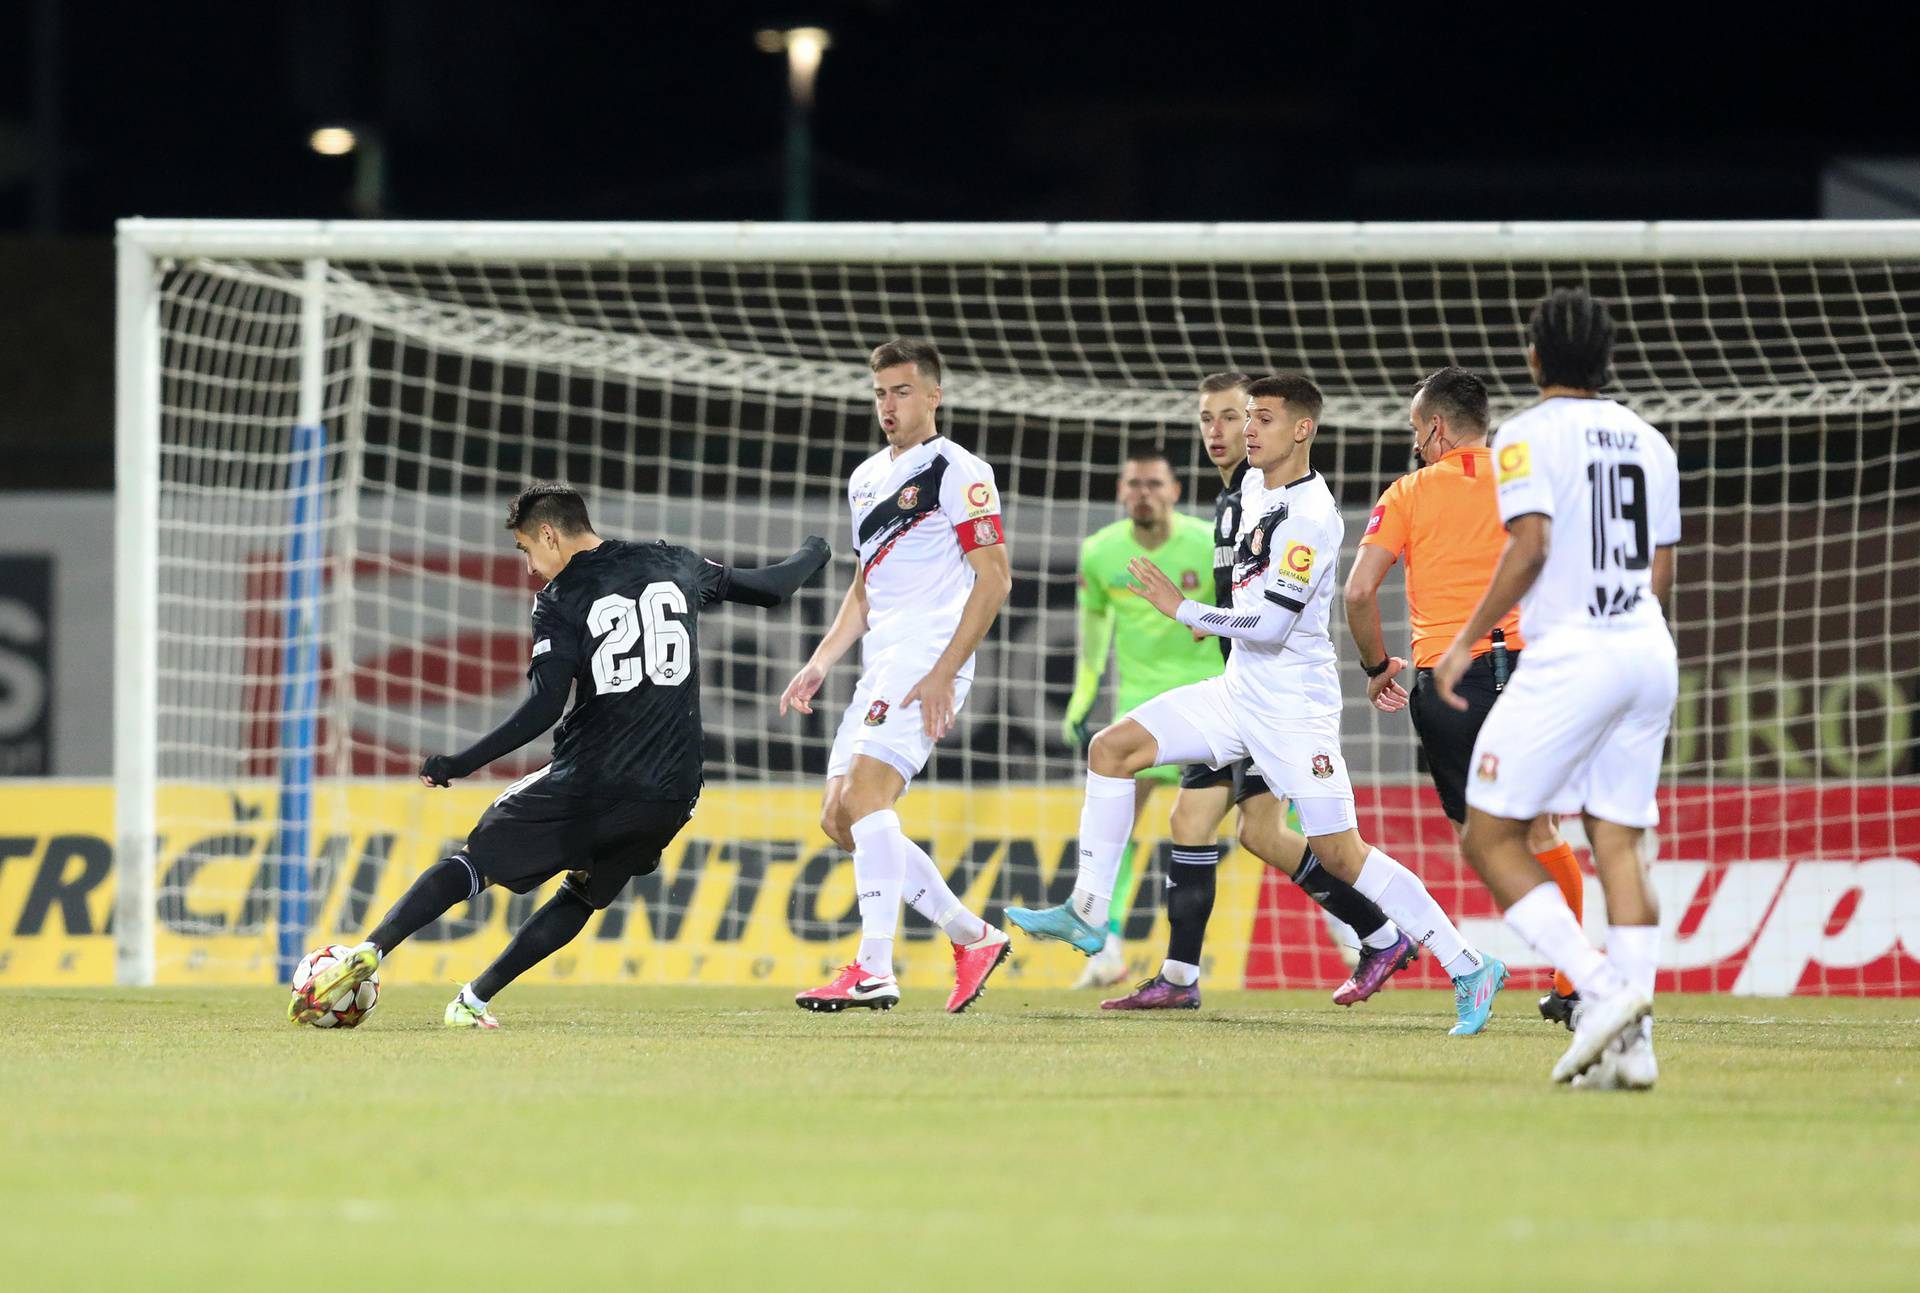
column 814, row 543
column 438, row 769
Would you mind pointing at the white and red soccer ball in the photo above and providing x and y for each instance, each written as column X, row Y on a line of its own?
column 348, row 1008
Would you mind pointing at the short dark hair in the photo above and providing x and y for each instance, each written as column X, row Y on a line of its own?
column 908, row 350
column 1573, row 335
column 1214, row 383
column 1297, row 391
column 1455, row 392
column 548, row 502
column 1145, row 451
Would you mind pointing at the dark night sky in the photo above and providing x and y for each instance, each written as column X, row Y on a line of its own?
column 961, row 111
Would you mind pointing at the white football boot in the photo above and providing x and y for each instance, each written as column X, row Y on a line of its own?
column 1105, row 967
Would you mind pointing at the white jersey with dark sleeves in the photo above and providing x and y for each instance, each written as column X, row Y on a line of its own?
column 1287, row 552
column 915, row 517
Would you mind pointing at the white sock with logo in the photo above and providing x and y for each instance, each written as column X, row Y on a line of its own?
column 879, row 867
column 1542, row 918
column 1398, row 892
column 928, row 893
column 1106, row 824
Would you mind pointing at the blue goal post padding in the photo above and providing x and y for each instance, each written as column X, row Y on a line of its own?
column 299, row 693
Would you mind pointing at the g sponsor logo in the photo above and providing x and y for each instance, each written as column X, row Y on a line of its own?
column 1515, row 462
column 1298, row 561
column 979, row 494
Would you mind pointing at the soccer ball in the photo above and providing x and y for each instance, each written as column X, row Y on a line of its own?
column 347, row 1009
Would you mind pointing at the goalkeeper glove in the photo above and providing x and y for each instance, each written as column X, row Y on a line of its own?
column 1075, row 732
column 438, row 769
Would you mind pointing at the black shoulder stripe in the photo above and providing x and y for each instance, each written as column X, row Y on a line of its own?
column 1280, row 599
column 917, row 495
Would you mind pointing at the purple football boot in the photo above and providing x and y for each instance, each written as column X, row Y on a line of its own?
column 1157, row 994
column 1375, row 968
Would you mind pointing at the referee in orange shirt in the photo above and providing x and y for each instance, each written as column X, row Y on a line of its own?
column 1444, row 521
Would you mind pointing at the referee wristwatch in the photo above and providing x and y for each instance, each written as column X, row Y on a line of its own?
column 1375, row 670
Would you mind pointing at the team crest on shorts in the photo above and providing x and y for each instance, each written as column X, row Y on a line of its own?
column 876, row 713
column 1489, row 769
column 1189, row 579
column 908, row 498
column 1323, row 765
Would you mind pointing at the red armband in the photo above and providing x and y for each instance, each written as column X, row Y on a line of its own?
column 981, row 532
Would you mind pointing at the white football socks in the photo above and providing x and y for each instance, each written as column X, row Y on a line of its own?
column 1635, row 952
column 1106, row 823
column 1179, row 973
column 1542, row 918
column 1398, row 892
column 879, row 867
column 928, row 893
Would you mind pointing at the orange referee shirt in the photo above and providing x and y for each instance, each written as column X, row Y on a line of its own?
column 1443, row 521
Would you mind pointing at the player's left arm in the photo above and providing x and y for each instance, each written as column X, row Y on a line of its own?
column 992, row 581
column 971, row 506
column 772, row 585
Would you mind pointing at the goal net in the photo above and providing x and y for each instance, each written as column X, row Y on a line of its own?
column 320, row 426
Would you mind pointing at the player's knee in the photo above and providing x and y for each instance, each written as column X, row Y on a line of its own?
column 579, row 887
column 1120, row 750
column 1191, row 825
column 1543, row 833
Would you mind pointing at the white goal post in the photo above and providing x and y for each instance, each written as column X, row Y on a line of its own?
column 318, row 422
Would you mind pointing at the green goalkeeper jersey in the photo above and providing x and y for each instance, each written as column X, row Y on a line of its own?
column 1153, row 652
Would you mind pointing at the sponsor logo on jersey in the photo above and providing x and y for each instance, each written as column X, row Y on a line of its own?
column 1323, row 765
column 1189, row 579
column 1297, row 561
column 1228, row 524
column 876, row 713
column 980, row 497
column 541, row 647
column 1379, row 515
column 909, row 498
column 1489, row 769
column 1516, row 463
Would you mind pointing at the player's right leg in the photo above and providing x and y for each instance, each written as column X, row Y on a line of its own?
column 1539, row 752
column 1186, row 725
column 1108, row 966
column 879, row 749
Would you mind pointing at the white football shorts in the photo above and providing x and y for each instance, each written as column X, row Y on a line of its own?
column 1299, row 757
column 878, row 726
column 1580, row 728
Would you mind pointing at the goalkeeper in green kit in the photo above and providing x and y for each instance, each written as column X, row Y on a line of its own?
column 1152, row 653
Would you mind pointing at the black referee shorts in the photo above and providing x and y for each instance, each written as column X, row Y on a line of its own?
column 533, row 833
column 1447, row 734
column 1246, row 782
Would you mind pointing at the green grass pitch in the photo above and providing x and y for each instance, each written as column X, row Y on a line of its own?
column 721, row 1139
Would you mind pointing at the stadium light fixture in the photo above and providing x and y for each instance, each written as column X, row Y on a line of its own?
column 804, row 47
column 333, row 141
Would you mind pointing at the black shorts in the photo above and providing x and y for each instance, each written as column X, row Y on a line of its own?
column 1246, row 782
column 1447, row 734
column 533, row 833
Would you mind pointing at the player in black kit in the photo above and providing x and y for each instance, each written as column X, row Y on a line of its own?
column 615, row 624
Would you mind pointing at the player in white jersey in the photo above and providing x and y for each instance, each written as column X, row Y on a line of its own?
column 932, row 575
column 1278, row 702
column 1590, row 495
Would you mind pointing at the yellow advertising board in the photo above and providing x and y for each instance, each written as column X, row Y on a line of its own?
column 751, row 892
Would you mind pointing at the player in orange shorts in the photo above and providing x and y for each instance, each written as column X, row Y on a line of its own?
column 1443, row 521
